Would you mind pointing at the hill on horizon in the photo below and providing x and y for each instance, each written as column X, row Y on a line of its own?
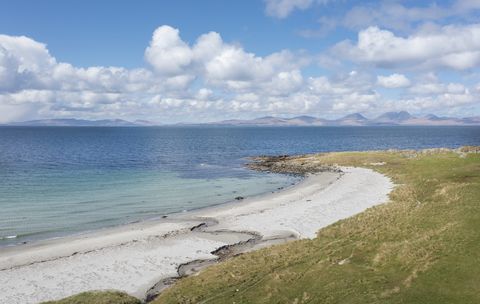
column 354, row 119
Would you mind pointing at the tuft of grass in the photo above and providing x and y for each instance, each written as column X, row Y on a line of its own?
column 423, row 246
column 98, row 297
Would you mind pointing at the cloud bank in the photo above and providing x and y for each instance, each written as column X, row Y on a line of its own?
column 211, row 79
column 456, row 47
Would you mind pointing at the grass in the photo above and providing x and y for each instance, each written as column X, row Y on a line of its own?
column 98, row 297
column 421, row 247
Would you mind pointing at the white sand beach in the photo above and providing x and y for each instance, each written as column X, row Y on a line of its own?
column 135, row 257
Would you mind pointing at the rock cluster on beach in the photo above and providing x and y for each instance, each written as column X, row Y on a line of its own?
column 289, row 164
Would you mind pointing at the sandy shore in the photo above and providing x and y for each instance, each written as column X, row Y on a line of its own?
column 140, row 258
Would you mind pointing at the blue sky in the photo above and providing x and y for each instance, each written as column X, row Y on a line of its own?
column 115, row 33
column 170, row 61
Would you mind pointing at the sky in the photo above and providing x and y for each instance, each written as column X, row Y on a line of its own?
column 200, row 61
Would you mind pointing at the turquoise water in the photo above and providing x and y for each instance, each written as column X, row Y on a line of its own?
column 84, row 200
column 60, row 180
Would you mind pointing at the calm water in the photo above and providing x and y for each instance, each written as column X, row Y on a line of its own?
column 57, row 181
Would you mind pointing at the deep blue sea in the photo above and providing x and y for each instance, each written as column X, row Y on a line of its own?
column 56, row 181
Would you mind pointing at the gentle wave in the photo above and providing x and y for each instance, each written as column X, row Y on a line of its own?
column 8, row 237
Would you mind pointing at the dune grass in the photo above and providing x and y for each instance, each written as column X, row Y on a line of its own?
column 421, row 247
column 98, row 297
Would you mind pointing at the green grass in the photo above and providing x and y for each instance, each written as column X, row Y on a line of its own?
column 98, row 297
column 421, row 247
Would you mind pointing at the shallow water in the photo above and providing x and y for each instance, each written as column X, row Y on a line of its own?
column 62, row 180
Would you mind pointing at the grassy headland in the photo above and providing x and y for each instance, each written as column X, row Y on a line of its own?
column 421, row 247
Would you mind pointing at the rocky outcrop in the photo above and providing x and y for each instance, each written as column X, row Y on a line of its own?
column 289, row 165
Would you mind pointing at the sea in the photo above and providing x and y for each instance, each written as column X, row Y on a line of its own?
column 58, row 181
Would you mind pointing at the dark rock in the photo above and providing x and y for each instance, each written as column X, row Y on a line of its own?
column 288, row 165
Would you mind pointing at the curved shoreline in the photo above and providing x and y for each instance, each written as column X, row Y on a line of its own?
column 136, row 258
column 27, row 239
column 187, row 218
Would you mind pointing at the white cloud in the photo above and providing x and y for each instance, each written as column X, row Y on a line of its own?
column 387, row 14
column 435, row 103
column 210, row 79
column 218, row 63
column 393, row 81
column 31, row 78
column 394, row 15
column 344, row 93
column 283, row 8
column 31, row 55
column 204, row 94
column 456, row 47
column 8, row 70
column 22, row 62
column 435, row 87
column 168, row 53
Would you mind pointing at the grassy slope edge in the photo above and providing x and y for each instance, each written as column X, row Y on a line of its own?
column 421, row 247
column 98, row 297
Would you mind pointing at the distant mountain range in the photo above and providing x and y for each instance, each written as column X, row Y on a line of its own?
column 401, row 118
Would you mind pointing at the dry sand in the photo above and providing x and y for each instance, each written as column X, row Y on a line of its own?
column 135, row 257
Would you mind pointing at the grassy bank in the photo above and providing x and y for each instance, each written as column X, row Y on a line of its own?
column 421, row 247
column 98, row 297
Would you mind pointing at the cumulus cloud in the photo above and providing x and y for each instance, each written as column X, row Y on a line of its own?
column 31, row 78
column 455, row 47
column 168, row 53
column 393, row 81
column 210, row 79
column 343, row 93
column 217, row 62
column 8, row 70
column 31, row 55
column 429, row 93
column 33, row 83
column 432, row 86
column 22, row 62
